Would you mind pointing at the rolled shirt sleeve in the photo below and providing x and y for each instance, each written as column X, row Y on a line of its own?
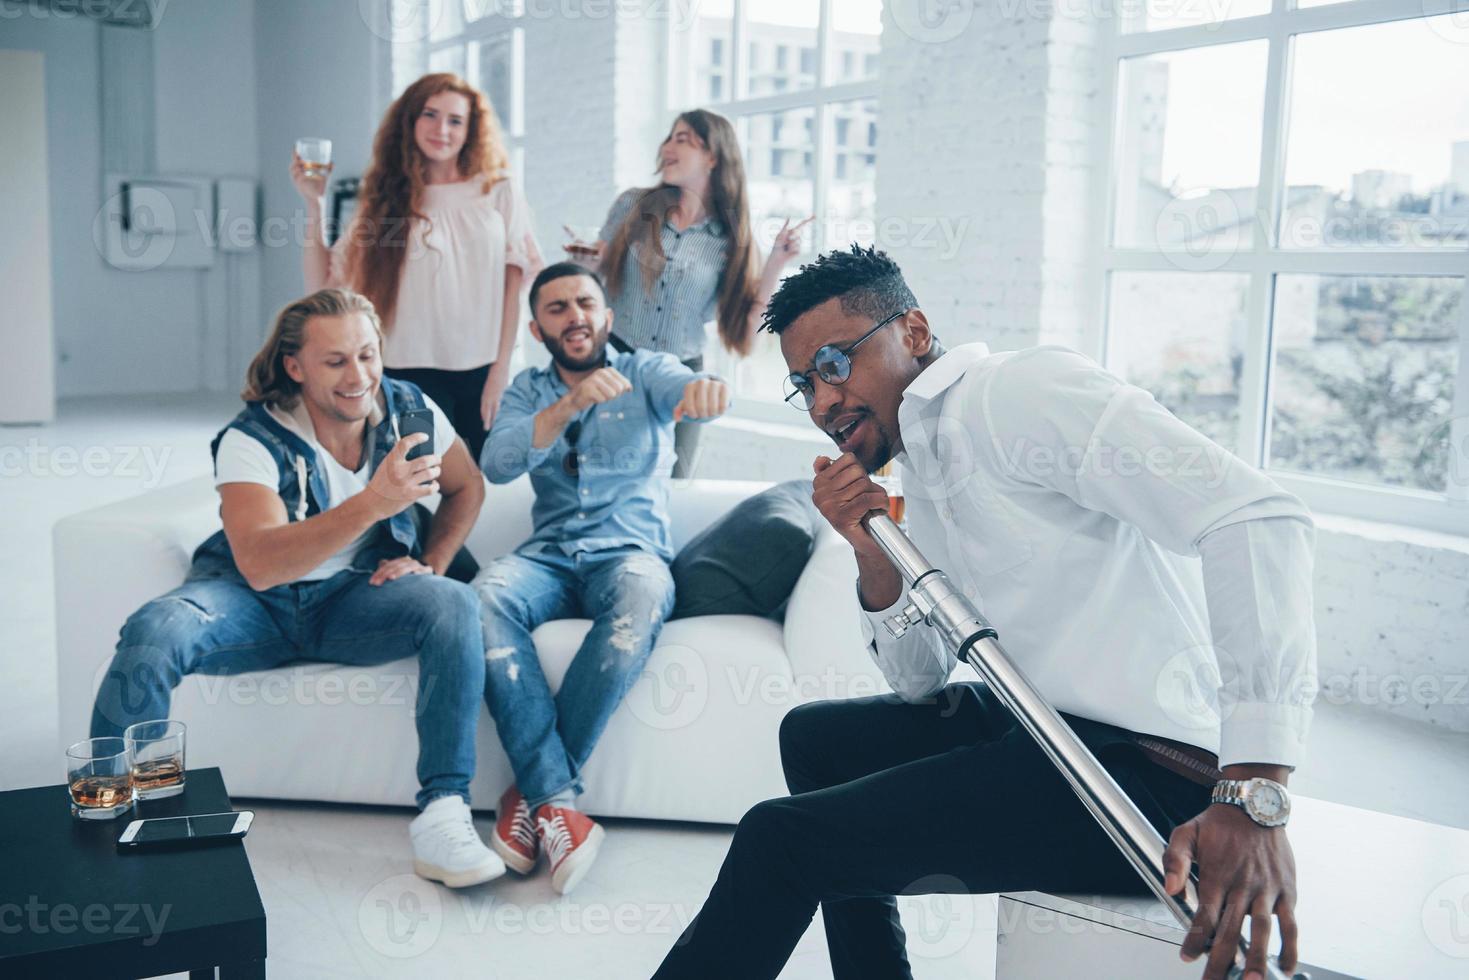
column 509, row 449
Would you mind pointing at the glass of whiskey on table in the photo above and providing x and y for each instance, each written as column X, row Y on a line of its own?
column 156, row 758
column 98, row 778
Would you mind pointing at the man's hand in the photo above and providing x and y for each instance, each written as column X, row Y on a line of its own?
column 602, row 385
column 389, row 569
column 703, row 398
column 399, row 482
column 1244, row 869
column 845, row 494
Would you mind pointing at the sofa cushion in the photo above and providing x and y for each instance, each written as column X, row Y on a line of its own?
column 747, row 562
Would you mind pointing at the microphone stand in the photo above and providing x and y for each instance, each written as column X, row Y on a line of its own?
column 934, row 601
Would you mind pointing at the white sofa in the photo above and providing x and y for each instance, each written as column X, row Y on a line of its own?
column 696, row 738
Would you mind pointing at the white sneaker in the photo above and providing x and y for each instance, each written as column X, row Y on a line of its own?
column 446, row 847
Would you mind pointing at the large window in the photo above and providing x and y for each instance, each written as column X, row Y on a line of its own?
column 479, row 40
column 1286, row 262
column 799, row 80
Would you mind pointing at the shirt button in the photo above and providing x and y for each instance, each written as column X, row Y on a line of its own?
column 581, row 515
column 585, row 491
column 660, row 309
column 619, row 415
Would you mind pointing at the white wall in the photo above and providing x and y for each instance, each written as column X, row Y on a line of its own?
column 162, row 330
column 318, row 75
column 27, row 374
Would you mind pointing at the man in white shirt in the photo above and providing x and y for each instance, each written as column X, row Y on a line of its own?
column 1155, row 589
column 320, row 559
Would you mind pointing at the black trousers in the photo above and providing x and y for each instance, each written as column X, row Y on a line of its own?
column 891, row 799
column 458, row 394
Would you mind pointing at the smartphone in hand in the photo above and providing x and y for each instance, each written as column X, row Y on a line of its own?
column 418, row 420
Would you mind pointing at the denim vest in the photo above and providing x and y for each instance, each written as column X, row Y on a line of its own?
column 303, row 486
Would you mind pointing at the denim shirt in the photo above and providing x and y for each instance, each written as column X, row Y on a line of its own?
column 303, row 485
column 668, row 315
column 618, row 496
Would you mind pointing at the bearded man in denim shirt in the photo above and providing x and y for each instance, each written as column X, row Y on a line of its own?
column 594, row 429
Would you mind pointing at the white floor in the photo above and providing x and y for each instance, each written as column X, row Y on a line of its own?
column 337, row 882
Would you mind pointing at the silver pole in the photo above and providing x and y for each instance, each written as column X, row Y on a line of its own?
column 932, row 600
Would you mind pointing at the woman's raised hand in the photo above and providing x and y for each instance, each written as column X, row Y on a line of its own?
column 311, row 186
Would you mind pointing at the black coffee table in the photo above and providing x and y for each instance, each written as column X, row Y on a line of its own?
column 71, row 905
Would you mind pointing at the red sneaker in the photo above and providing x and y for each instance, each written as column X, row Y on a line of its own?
column 571, row 840
column 515, row 838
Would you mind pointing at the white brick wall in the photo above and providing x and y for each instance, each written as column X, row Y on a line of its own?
column 1392, row 618
column 571, row 123
column 962, row 136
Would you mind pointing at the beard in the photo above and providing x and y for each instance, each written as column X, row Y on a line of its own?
column 882, row 450
column 593, row 359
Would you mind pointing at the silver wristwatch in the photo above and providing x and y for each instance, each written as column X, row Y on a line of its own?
column 1265, row 800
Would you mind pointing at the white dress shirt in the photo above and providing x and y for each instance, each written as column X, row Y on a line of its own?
column 1138, row 573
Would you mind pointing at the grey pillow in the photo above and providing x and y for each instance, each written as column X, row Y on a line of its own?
column 748, row 561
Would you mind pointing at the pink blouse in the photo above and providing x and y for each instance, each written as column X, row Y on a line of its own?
column 451, row 298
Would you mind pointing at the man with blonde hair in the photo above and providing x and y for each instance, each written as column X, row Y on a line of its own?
column 320, row 559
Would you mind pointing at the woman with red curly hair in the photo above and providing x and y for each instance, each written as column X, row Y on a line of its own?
column 441, row 243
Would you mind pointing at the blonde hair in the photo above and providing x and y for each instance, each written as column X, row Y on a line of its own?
column 267, row 380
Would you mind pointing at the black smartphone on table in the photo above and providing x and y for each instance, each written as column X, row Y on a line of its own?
column 163, row 833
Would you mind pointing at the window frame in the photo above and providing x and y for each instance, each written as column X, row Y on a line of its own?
column 735, row 104
column 1264, row 260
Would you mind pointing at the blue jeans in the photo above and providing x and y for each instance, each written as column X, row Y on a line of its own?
column 627, row 593
column 222, row 626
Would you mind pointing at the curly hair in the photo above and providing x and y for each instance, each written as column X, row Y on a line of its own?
column 866, row 280
column 392, row 187
column 266, row 379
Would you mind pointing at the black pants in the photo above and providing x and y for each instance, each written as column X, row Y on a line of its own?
column 904, row 799
column 458, row 394
column 685, row 434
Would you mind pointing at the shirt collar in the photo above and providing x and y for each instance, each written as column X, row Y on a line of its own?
column 707, row 223
column 548, row 374
column 939, row 376
column 933, row 381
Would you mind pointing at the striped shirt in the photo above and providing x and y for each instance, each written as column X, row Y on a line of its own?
column 670, row 316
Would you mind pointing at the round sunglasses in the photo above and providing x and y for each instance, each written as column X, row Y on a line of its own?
column 832, row 364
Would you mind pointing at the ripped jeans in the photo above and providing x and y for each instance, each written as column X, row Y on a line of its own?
column 627, row 593
column 222, row 626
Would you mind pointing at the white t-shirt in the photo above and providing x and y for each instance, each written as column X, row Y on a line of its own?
column 244, row 459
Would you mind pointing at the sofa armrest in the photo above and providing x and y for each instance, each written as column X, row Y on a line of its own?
column 823, row 631
column 108, row 562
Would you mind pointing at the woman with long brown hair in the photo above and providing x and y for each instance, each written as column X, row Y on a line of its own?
column 441, row 243
column 679, row 254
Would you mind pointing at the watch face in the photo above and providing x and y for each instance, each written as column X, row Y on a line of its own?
column 1267, row 802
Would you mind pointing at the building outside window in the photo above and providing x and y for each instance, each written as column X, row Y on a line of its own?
column 788, row 112
column 1288, row 242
